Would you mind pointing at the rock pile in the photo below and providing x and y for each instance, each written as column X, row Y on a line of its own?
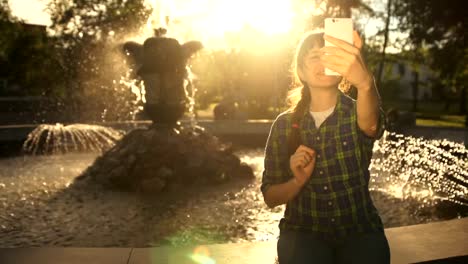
column 162, row 158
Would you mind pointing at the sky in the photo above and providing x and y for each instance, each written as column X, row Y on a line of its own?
column 32, row 11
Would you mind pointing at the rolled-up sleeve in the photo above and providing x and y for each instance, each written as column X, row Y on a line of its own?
column 276, row 162
column 381, row 126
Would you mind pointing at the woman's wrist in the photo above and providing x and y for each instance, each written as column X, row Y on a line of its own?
column 294, row 187
column 366, row 85
column 297, row 183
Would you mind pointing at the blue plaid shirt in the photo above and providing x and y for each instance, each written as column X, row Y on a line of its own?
column 335, row 201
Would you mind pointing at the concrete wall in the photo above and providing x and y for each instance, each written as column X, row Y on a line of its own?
column 250, row 133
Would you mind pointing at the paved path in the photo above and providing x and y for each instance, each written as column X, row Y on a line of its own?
column 408, row 244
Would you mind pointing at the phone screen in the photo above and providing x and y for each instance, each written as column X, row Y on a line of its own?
column 341, row 28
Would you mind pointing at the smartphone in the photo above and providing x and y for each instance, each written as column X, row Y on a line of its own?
column 341, row 28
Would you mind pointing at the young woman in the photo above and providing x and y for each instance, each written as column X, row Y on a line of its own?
column 317, row 157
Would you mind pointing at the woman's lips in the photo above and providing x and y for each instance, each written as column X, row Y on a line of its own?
column 320, row 73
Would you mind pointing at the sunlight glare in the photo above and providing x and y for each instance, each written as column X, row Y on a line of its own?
column 211, row 21
column 201, row 255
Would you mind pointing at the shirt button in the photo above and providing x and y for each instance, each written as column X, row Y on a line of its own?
column 325, row 187
column 318, row 138
column 333, row 219
column 344, row 143
column 329, row 203
column 321, row 172
column 318, row 156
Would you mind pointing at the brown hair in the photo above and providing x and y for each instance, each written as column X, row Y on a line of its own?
column 298, row 98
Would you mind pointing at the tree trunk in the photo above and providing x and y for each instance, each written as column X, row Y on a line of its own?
column 382, row 60
column 415, row 90
column 463, row 109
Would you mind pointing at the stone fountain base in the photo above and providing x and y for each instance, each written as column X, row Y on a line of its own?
column 159, row 158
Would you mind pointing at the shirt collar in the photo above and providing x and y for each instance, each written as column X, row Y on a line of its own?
column 344, row 104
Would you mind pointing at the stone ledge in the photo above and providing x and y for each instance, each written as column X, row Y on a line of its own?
column 52, row 255
column 237, row 128
column 439, row 242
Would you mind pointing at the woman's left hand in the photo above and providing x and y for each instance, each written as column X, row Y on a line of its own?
column 346, row 60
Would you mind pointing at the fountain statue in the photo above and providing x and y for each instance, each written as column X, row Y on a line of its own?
column 166, row 154
column 161, row 63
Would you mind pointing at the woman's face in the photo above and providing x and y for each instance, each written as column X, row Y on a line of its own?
column 313, row 72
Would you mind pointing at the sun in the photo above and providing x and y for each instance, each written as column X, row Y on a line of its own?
column 212, row 21
column 265, row 16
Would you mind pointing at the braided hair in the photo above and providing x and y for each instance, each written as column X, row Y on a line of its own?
column 299, row 98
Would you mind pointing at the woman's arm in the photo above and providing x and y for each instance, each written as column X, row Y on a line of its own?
column 347, row 60
column 282, row 193
column 278, row 183
column 368, row 104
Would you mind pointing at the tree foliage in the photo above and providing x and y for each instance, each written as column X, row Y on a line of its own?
column 88, row 35
column 336, row 8
column 8, row 26
column 26, row 57
column 439, row 27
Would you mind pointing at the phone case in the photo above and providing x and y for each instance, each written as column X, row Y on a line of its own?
column 341, row 28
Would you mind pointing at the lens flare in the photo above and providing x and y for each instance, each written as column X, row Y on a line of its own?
column 201, row 255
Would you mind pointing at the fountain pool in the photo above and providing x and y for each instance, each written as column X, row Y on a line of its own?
column 413, row 181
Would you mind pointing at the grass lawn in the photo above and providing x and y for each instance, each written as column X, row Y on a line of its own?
column 429, row 114
column 441, row 121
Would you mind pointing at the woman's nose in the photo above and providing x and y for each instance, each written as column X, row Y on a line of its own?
column 317, row 67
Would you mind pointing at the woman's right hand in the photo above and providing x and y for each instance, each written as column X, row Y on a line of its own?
column 302, row 163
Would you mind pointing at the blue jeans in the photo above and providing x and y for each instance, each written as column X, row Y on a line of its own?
column 295, row 247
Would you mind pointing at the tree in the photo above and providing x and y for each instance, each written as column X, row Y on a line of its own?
column 88, row 36
column 336, row 8
column 26, row 56
column 440, row 28
column 386, row 33
column 8, row 27
column 10, row 31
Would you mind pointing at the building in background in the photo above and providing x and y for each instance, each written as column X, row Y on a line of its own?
column 404, row 75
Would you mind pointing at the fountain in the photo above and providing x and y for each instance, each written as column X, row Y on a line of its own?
column 430, row 176
column 61, row 139
column 161, row 63
column 165, row 155
column 412, row 181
